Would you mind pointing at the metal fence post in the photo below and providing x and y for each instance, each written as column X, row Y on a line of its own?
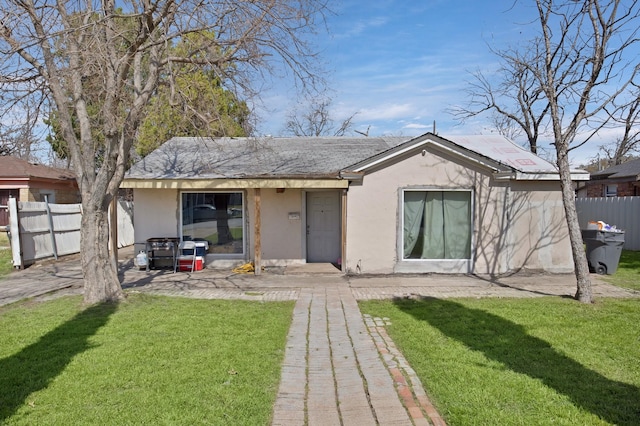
column 51, row 230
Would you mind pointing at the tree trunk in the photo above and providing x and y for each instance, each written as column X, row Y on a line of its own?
column 101, row 282
column 581, row 267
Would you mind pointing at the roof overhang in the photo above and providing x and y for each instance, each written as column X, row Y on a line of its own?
column 575, row 176
column 233, row 183
column 612, row 178
column 36, row 182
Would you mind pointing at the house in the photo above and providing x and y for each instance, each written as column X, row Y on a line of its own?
column 28, row 181
column 622, row 180
column 377, row 205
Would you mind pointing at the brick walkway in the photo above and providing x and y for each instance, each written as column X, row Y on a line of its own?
column 333, row 374
column 340, row 368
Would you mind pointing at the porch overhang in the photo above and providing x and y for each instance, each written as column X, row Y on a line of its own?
column 234, row 183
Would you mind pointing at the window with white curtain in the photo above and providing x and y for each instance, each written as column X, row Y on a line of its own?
column 436, row 224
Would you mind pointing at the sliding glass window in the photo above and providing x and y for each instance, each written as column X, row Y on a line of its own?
column 217, row 217
column 436, row 225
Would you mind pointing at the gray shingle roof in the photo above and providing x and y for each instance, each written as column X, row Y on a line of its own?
column 311, row 157
column 236, row 158
column 628, row 169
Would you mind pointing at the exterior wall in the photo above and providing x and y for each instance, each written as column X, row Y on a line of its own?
column 155, row 214
column 60, row 196
column 515, row 225
column 26, row 195
column 374, row 212
column 539, row 238
column 624, row 189
column 282, row 225
column 63, row 194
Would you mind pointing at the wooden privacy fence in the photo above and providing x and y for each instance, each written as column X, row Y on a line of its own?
column 39, row 230
column 623, row 212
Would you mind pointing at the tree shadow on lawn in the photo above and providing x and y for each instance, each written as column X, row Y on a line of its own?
column 35, row 366
column 508, row 343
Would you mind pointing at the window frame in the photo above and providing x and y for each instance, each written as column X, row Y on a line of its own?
column 243, row 195
column 434, row 265
column 613, row 193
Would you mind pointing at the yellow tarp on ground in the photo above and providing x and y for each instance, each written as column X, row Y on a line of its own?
column 247, row 268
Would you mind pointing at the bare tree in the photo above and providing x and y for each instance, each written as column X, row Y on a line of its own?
column 584, row 68
column 517, row 102
column 565, row 80
column 18, row 134
column 313, row 118
column 626, row 116
column 506, row 127
column 59, row 47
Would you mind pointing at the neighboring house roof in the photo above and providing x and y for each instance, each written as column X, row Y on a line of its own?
column 629, row 170
column 16, row 168
column 326, row 157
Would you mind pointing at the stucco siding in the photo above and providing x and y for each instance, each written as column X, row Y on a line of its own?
column 281, row 229
column 374, row 209
column 155, row 213
column 516, row 225
column 540, row 236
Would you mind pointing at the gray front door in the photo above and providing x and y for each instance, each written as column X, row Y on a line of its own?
column 323, row 227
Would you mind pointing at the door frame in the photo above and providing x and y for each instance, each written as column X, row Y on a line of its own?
column 342, row 206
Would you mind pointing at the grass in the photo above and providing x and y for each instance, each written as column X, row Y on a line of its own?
column 150, row 360
column 6, row 265
column 522, row 361
column 628, row 273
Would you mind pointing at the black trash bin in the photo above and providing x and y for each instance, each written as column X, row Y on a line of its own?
column 603, row 249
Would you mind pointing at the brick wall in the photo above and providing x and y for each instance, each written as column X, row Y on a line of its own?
column 25, row 195
column 625, row 189
column 61, row 196
column 67, row 197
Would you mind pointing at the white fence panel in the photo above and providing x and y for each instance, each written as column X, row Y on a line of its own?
column 125, row 223
column 52, row 230
column 623, row 212
column 48, row 230
column 66, row 220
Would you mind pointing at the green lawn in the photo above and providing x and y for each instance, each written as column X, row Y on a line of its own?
column 628, row 273
column 5, row 255
column 150, row 360
column 522, row 361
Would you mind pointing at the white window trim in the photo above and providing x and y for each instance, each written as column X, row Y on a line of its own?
column 432, row 265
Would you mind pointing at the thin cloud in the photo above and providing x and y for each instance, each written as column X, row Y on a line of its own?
column 362, row 26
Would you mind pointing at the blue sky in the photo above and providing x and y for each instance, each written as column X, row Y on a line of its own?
column 400, row 65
